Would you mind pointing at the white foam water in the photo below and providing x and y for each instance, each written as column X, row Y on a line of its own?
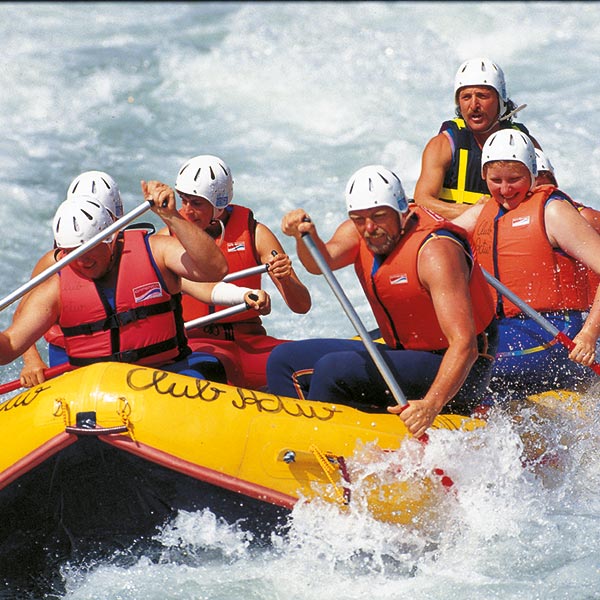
column 295, row 97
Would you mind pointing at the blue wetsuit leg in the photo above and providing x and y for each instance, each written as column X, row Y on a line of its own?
column 352, row 378
column 528, row 361
column 290, row 365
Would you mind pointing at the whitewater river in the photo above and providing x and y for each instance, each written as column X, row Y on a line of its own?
column 295, row 97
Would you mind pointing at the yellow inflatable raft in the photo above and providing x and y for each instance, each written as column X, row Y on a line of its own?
column 272, row 449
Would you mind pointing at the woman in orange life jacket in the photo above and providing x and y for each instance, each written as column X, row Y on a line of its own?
column 101, row 187
column 241, row 343
column 531, row 239
column 120, row 300
column 547, row 176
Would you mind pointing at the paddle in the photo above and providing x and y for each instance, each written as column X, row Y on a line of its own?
column 63, row 262
column 245, row 273
column 221, row 314
column 48, row 374
column 565, row 340
column 355, row 320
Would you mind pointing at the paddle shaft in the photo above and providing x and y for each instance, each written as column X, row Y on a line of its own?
column 355, row 319
column 245, row 273
column 48, row 374
column 565, row 340
column 217, row 316
column 65, row 260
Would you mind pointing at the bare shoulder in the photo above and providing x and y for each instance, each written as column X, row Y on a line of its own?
column 438, row 149
column 441, row 258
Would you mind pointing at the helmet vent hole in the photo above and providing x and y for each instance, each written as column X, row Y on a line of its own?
column 384, row 179
column 75, row 224
column 370, row 184
column 212, row 173
column 87, row 214
column 197, row 174
column 93, row 187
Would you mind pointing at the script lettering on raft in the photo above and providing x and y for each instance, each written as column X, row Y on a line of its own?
column 24, row 399
column 142, row 379
column 275, row 404
column 162, row 382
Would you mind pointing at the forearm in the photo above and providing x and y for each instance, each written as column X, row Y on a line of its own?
column 32, row 358
column 305, row 256
column 448, row 210
column 205, row 261
column 295, row 294
column 454, row 369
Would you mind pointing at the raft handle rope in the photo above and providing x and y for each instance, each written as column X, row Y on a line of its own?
column 329, row 464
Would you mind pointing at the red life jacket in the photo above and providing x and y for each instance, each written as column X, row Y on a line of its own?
column 239, row 248
column 55, row 336
column 402, row 306
column 145, row 327
column 513, row 245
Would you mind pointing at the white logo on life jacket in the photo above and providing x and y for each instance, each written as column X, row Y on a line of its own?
column 147, row 291
column 520, row 221
column 398, row 279
column 236, row 246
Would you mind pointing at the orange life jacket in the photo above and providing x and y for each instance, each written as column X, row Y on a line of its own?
column 146, row 325
column 402, row 306
column 513, row 246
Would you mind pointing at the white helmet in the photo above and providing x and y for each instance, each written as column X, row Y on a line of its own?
column 209, row 177
column 482, row 71
column 510, row 144
column 374, row 186
column 78, row 220
column 101, row 186
column 543, row 164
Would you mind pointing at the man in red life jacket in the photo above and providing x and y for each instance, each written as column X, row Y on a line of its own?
column 121, row 299
column 240, row 342
column 429, row 298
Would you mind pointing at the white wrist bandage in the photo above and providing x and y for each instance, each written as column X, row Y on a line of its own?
column 228, row 294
